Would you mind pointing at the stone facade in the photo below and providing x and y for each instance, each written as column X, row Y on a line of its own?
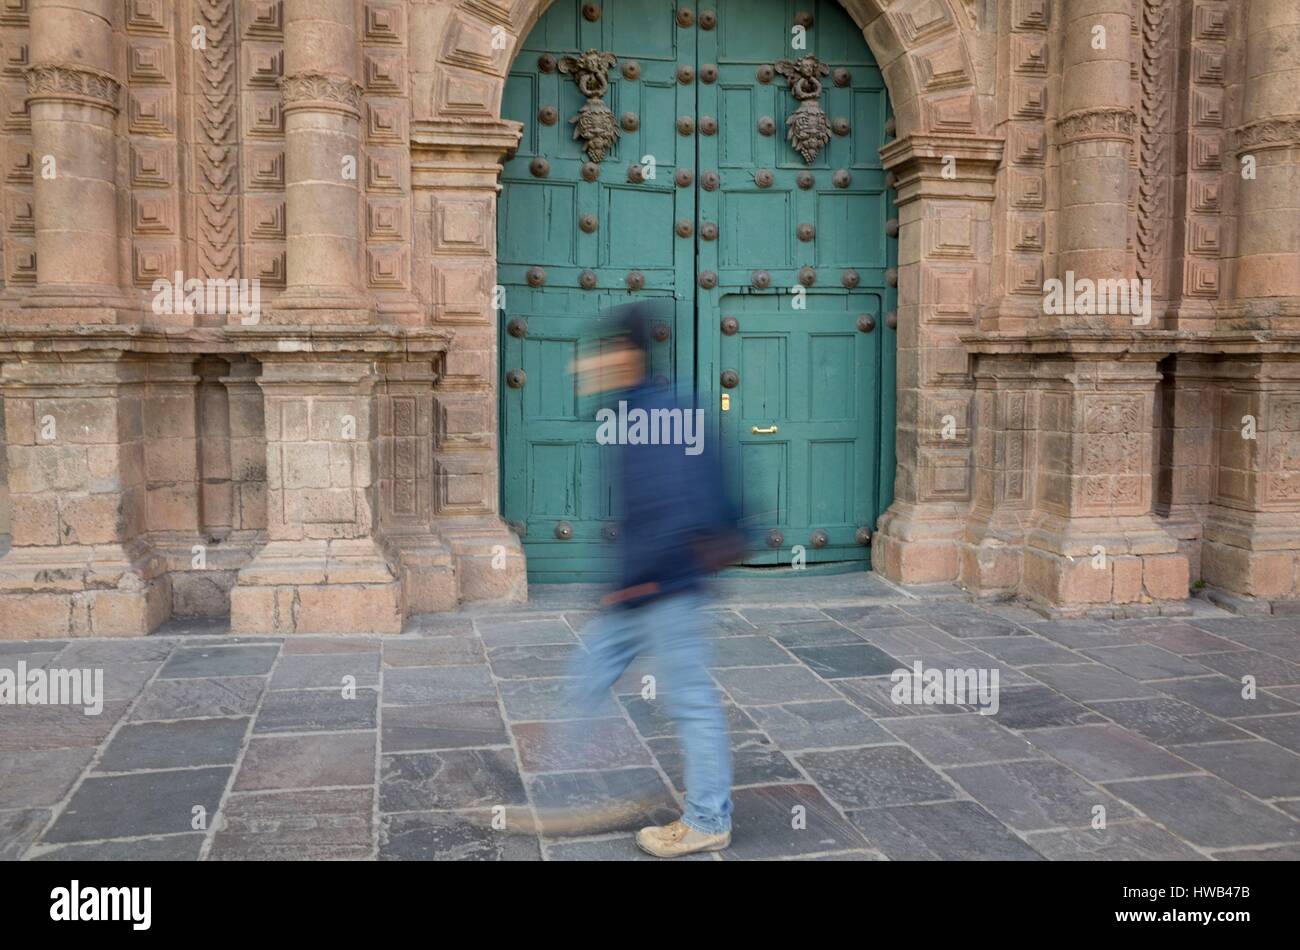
column 331, row 461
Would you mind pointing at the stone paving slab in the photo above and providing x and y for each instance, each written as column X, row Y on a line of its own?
column 40, row 778
column 453, row 836
column 434, row 651
column 321, row 759
column 443, row 726
column 315, row 824
column 185, row 743
column 943, row 831
column 961, row 740
column 459, row 778
column 138, row 804
column 875, row 777
column 326, row 671
column 316, row 711
column 819, row 725
column 199, row 698
column 1036, row 795
column 179, row 847
column 543, row 699
column 591, row 744
column 1283, row 730
column 1123, row 841
column 1106, row 752
column 777, row 821
column 1260, row 768
column 445, row 742
column 1207, row 811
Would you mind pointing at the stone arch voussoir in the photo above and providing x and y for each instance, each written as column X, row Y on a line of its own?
column 923, row 47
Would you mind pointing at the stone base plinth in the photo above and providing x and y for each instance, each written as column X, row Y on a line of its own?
column 81, row 591
column 1252, row 553
column 344, row 586
column 991, row 567
column 427, row 571
column 916, row 545
column 489, row 561
column 323, row 307
column 73, row 304
column 1270, row 575
column 1077, row 566
column 204, row 570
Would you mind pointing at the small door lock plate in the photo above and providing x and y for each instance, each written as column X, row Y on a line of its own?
column 726, row 402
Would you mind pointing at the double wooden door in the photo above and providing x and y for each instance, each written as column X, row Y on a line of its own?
column 658, row 162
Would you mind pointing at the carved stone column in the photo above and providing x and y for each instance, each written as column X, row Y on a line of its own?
column 945, row 198
column 323, row 163
column 74, row 96
column 1268, row 240
column 1094, row 131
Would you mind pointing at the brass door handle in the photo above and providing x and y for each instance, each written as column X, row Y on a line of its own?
column 770, row 430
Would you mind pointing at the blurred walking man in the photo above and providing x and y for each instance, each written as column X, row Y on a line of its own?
column 678, row 527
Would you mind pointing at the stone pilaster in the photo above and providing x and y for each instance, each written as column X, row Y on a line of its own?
column 1268, row 239
column 455, row 170
column 1185, row 413
column 1252, row 544
column 1094, row 135
column 323, row 568
column 173, row 467
column 1201, row 187
column 171, row 452
column 323, row 165
column 406, row 484
column 247, row 432
column 1006, row 446
column 73, row 96
column 945, row 197
column 1022, row 213
column 1095, row 540
column 216, row 487
column 80, row 564
column 232, row 486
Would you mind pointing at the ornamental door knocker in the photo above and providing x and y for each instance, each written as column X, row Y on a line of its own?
column 595, row 123
column 806, row 127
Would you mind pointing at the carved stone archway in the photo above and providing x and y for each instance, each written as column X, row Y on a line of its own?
column 944, row 159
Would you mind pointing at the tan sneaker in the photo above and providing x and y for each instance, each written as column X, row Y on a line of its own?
column 677, row 839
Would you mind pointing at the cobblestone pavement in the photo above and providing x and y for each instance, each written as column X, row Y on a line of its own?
column 447, row 737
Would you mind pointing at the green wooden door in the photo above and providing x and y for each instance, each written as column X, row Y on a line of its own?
column 701, row 200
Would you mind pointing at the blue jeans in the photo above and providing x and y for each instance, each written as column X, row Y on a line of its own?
column 674, row 629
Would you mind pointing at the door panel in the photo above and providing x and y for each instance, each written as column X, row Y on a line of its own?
column 811, row 373
column 553, row 471
column 810, row 376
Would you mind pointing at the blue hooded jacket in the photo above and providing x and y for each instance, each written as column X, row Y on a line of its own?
column 677, row 518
